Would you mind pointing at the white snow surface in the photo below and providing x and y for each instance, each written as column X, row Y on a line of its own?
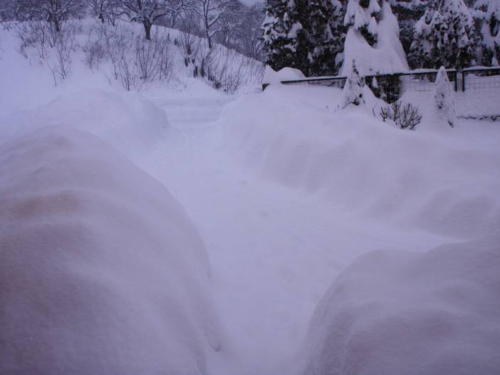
column 283, row 191
column 102, row 272
column 284, row 74
column 393, row 312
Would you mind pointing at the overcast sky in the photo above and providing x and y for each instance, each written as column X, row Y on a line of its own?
column 251, row 2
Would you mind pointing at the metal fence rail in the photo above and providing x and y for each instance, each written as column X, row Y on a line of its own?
column 391, row 86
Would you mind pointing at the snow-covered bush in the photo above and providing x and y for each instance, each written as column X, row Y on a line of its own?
column 50, row 46
column 353, row 89
column 395, row 313
column 102, row 271
column 135, row 61
column 443, row 96
column 404, row 115
column 226, row 70
column 189, row 45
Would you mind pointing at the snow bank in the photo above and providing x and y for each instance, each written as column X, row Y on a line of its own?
column 102, row 272
column 285, row 74
column 130, row 123
column 445, row 184
column 395, row 313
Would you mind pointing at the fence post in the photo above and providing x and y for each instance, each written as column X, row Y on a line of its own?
column 456, row 80
column 463, row 80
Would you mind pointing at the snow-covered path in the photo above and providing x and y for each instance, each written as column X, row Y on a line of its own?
column 273, row 251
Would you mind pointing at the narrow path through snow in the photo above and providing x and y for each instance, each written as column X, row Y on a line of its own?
column 273, row 251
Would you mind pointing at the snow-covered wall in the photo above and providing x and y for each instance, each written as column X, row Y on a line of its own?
column 101, row 270
column 396, row 313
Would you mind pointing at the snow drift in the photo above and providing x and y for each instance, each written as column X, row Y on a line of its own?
column 129, row 122
column 101, row 271
column 445, row 184
column 397, row 313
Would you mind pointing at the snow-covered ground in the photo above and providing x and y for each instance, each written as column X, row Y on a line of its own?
column 284, row 191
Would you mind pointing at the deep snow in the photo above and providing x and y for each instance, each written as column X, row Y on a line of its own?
column 284, row 190
column 101, row 270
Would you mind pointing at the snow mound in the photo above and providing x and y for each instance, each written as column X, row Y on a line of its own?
column 102, row 272
column 286, row 74
column 446, row 184
column 395, row 313
column 130, row 123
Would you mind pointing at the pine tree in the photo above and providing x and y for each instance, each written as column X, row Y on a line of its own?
column 303, row 34
column 408, row 13
column 280, row 30
column 443, row 96
column 444, row 36
column 488, row 15
column 322, row 35
column 362, row 16
column 372, row 39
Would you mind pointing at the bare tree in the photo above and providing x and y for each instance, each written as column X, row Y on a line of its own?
column 105, row 10
column 53, row 11
column 147, row 12
column 177, row 9
column 210, row 13
column 249, row 37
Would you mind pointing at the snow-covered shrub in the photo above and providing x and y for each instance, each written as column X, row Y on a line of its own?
column 102, row 271
column 65, row 45
column 404, row 115
column 394, row 313
column 225, row 69
column 152, row 58
column 443, row 96
column 353, row 89
column 189, row 45
column 95, row 48
column 49, row 45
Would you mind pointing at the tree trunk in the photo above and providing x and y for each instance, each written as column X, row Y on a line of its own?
column 147, row 28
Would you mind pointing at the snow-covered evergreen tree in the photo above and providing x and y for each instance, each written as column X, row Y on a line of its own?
column 443, row 96
column 408, row 13
column 444, row 36
column 280, row 30
column 304, row 34
column 488, row 14
column 372, row 39
column 361, row 16
column 353, row 89
column 323, row 35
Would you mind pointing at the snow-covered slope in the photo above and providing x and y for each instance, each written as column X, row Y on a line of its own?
column 394, row 313
column 101, row 270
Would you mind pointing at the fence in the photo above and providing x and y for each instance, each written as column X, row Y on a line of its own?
column 391, row 86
